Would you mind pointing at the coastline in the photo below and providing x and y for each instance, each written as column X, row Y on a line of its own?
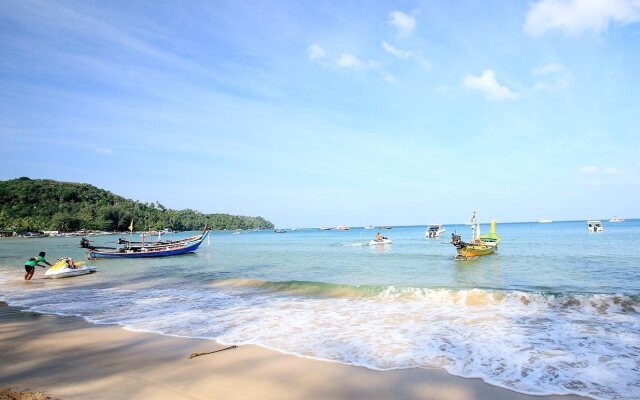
column 70, row 358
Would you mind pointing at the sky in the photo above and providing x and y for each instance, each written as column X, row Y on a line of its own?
column 313, row 113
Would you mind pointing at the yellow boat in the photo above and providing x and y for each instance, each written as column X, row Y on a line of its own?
column 481, row 244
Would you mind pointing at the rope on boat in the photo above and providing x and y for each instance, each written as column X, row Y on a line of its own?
column 193, row 355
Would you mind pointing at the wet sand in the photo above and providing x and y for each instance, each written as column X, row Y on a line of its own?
column 70, row 358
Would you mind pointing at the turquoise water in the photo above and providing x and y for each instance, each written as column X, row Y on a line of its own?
column 553, row 311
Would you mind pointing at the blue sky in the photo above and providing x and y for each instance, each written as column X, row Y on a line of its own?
column 325, row 113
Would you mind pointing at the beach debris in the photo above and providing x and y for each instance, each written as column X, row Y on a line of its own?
column 193, row 355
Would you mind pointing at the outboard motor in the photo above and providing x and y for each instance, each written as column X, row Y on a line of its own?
column 457, row 241
column 84, row 243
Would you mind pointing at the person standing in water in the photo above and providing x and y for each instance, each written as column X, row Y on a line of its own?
column 30, row 265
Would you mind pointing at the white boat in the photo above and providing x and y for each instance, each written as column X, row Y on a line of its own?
column 368, row 227
column 616, row 219
column 379, row 242
column 434, row 231
column 342, row 228
column 62, row 269
column 594, row 226
column 545, row 221
column 325, row 228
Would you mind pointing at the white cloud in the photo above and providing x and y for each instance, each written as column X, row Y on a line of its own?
column 389, row 77
column 552, row 77
column 406, row 54
column 396, row 52
column 103, row 150
column 574, row 17
column 403, row 22
column 549, row 68
column 592, row 169
column 488, row 84
column 593, row 183
column 315, row 51
column 349, row 61
column 589, row 169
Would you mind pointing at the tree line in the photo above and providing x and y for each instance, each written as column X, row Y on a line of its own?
column 48, row 205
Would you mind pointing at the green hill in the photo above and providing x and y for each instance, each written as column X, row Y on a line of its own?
column 42, row 204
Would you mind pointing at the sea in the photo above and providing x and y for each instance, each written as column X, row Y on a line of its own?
column 554, row 311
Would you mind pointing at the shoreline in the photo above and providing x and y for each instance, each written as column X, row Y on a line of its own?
column 70, row 358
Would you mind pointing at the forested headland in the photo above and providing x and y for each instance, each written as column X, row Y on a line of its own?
column 43, row 204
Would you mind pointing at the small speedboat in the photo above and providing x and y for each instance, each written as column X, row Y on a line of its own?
column 63, row 269
column 434, row 231
column 594, row 226
column 379, row 242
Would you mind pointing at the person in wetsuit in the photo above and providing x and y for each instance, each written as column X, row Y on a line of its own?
column 30, row 265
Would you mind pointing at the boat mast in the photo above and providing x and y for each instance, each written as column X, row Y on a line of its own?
column 475, row 226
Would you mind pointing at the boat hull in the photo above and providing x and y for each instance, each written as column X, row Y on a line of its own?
column 475, row 251
column 378, row 242
column 62, row 270
column 68, row 273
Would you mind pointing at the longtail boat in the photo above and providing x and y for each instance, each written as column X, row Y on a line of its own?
column 481, row 245
column 151, row 250
column 150, row 242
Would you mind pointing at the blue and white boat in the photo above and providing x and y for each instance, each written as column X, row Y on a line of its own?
column 153, row 250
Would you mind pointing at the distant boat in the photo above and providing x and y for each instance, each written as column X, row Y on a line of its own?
column 616, row 219
column 325, row 228
column 545, row 221
column 32, row 235
column 480, row 245
column 294, row 229
column 386, row 227
column 368, row 227
column 434, row 231
column 280, row 230
column 594, row 226
column 342, row 228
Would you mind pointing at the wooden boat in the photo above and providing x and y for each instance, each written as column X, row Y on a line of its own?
column 172, row 249
column 481, row 245
column 150, row 242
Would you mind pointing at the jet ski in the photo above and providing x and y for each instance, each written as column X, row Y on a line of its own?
column 378, row 242
column 63, row 269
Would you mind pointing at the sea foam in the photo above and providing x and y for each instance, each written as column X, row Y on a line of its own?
column 531, row 342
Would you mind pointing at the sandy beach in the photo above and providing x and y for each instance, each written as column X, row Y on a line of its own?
column 70, row 358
